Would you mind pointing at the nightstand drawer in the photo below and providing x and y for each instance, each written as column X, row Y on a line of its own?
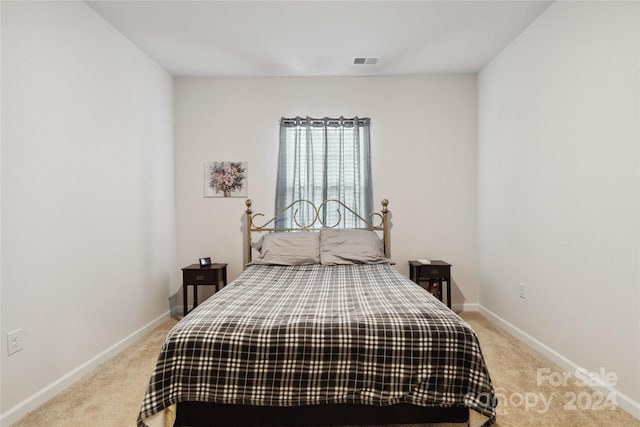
column 199, row 276
column 433, row 271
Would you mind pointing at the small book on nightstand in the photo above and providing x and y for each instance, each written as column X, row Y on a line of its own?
column 423, row 261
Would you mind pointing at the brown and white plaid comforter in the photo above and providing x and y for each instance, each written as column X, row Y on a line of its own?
column 311, row 335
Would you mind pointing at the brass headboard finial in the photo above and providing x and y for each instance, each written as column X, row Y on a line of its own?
column 385, row 228
column 249, row 217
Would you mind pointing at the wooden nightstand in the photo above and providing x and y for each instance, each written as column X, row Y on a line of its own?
column 194, row 275
column 433, row 275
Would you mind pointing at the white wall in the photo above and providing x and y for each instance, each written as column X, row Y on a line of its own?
column 87, row 194
column 559, row 186
column 423, row 137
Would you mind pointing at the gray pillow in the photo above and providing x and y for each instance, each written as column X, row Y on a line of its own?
column 350, row 246
column 290, row 248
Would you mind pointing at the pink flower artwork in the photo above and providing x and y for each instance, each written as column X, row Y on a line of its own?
column 225, row 179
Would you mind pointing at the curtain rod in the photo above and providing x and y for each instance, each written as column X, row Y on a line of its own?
column 326, row 121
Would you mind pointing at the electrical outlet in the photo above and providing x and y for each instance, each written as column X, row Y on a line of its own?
column 523, row 290
column 14, row 341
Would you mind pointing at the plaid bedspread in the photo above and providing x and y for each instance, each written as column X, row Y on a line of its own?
column 309, row 335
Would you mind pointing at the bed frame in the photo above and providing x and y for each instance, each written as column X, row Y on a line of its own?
column 198, row 414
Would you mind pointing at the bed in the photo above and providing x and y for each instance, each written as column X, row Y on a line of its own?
column 319, row 329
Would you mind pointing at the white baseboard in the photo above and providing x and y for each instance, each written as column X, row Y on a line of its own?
column 622, row 400
column 465, row 307
column 15, row 413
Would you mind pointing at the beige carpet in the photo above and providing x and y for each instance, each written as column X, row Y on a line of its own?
column 111, row 395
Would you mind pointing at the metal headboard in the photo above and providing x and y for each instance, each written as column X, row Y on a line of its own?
column 317, row 221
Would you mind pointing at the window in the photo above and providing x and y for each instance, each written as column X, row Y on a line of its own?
column 324, row 159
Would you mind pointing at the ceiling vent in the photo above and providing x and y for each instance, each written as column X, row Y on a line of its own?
column 367, row 61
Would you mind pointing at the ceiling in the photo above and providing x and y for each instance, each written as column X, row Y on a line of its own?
column 319, row 38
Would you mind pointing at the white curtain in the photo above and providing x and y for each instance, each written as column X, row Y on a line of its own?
column 323, row 159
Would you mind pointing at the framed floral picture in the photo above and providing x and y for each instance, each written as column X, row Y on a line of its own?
column 225, row 179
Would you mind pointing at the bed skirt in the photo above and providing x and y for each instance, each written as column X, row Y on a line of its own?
column 198, row 414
